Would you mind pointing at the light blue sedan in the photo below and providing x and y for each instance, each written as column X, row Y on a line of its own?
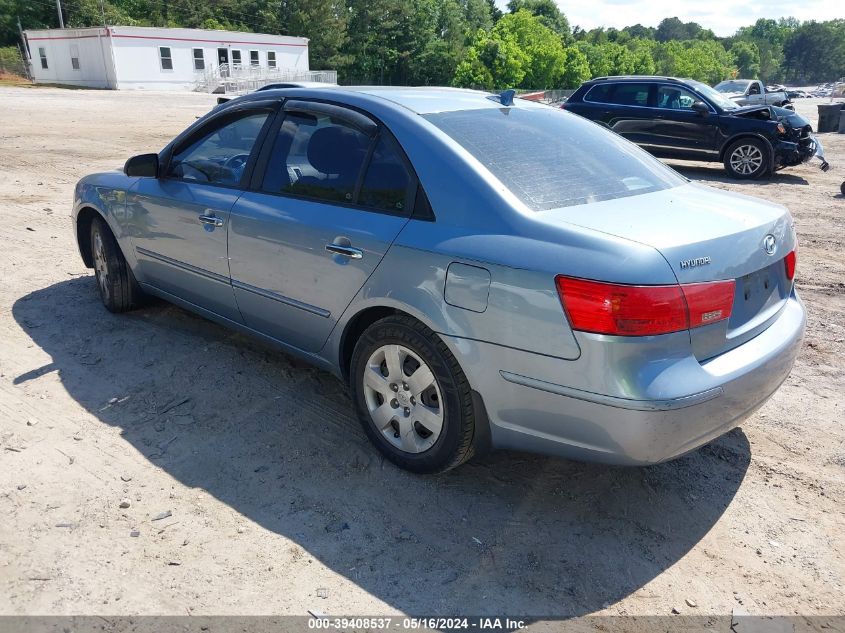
column 484, row 272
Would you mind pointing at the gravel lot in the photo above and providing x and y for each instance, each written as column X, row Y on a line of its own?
column 277, row 502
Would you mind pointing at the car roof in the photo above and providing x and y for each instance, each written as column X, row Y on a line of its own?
column 420, row 100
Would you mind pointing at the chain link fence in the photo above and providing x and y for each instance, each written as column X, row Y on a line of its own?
column 12, row 62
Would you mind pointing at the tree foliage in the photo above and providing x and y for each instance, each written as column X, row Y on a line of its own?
column 520, row 51
column 472, row 43
column 746, row 57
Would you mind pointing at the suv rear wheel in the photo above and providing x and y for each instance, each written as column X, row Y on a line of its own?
column 747, row 158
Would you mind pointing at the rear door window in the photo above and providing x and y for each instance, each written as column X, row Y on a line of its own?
column 635, row 94
column 675, row 98
column 316, row 156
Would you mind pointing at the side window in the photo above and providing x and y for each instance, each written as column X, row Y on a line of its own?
column 219, row 158
column 387, row 179
column 166, row 59
column 316, row 156
column 630, row 94
column 754, row 89
column 672, row 98
column 600, row 93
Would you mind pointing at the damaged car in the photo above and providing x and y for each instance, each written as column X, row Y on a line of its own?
column 688, row 120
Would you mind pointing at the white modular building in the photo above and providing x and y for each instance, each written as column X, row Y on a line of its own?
column 149, row 58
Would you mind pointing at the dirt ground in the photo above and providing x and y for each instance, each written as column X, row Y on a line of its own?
column 278, row 504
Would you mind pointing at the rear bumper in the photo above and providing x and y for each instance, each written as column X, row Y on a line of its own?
column 644, row 414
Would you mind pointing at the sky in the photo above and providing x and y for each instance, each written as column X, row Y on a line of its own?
column 724, row 17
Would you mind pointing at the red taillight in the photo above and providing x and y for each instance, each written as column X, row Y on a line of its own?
column 709, row 302
column 790, row 261
column 603, row 308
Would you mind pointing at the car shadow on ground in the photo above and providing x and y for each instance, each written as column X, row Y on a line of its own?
column 276, row 441
column 716, row 173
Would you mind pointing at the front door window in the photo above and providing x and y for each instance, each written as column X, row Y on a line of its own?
column 220, row 157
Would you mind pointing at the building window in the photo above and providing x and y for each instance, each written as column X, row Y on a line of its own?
column 199, row 59
column 271, row 59
column 166, row 59
column 236, row 58
column 74, row 56
column 253, row 58
column 42, row 53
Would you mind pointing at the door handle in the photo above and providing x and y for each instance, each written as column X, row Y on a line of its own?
column 346, row 251
column 210, row 220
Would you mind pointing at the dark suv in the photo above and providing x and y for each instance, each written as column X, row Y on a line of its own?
column 686, row 119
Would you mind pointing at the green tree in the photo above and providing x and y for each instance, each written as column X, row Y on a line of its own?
column 541, row 46
column 638, row 31
column 503, row 57
column 643, row 53
column 815, row 52
column 519, row 52
column 324, row 22
column 670, row 29
column 612, row 58
column 549, row 14
column 706, row 61
column 478, row 14
column 597, row 61
column 746, row 57
column 472, row 72
column 576, row 70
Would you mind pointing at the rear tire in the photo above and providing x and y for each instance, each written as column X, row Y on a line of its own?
column 412, row 397
column 119, row 291
column 747, row 159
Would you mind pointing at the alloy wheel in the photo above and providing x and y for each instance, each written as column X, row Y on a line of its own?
column 746, row 159
column 101, row 266
column 403, row 398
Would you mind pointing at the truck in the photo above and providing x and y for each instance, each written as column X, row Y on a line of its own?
column 749, row 92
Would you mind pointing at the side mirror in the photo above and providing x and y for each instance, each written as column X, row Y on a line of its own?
column 143, row 166
column 701, row 108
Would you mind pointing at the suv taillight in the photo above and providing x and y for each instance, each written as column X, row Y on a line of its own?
column 622, row 310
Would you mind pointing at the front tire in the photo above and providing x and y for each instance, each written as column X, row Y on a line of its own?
column 412, row 397
column 116, row 284
column 747, row 159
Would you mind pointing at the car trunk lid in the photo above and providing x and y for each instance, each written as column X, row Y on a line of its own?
column 706, row 235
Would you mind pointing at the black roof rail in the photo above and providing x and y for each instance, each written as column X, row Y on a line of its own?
column 662, row 78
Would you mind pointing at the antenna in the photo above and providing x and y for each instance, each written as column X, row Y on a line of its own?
column 505, row 97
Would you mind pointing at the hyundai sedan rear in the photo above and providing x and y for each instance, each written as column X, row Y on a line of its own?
column 483, row 272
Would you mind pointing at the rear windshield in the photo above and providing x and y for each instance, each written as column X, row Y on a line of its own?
column 550, row 158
